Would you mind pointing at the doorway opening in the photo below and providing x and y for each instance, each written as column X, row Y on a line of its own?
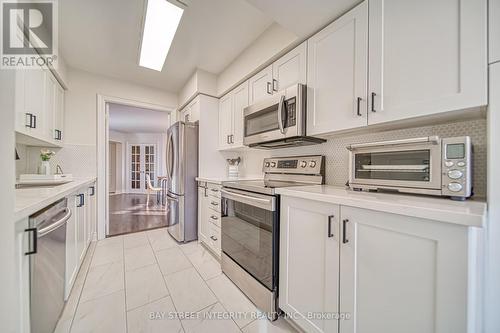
column 136, row 164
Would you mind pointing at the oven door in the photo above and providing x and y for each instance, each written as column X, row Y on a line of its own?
column 278, row 117
column 249, row 228
column 415, row 166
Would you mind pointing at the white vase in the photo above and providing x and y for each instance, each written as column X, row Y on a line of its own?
column 44, row 168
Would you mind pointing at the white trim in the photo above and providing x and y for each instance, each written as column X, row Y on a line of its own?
column 102, row 153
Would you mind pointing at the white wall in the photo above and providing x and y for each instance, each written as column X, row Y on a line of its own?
column 9, row 306
column 269, row 45
column 81, row 100
column 200, row 82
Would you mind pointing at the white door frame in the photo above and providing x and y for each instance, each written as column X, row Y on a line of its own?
column 129, row 162
column 102, row 152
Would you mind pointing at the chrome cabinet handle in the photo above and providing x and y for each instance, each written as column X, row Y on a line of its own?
column 92, row 191
column 373, row 102
column 358, row 106
column 214, row 190
column 330, row 220
column 214, row 203
column 269, row 91
column 275, row 85
column 213, row 238
column 214, row 217
column 344, row 231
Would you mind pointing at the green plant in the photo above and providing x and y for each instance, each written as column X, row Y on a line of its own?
column 46, row 154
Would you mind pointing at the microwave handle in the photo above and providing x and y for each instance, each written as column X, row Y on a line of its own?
column 280, row 114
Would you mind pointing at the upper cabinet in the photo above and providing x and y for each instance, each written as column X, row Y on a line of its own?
column 284, row 72
column 411, row 69
column 337, row 74
column 231, row 108
column 494, row 30
column 39, row 107
column 191, row 113
column 426, row 57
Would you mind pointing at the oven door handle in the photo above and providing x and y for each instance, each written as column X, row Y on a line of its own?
column 434, row 139
column 280, row 114
column 264, row 203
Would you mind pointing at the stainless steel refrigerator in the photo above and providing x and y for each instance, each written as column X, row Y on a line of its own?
column 182, row 169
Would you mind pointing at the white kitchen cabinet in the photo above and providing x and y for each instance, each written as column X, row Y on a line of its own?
column 426, row 57
column 393, row 267
column 191, row 113
column 231, row 108
column 90, row 222
column 376, row 269
column 34, row 97
column 337, row 74
column 81, row 215
column 50, row 108
column 22, row 274
column 494, row 30
column 290, row 69
column 309, row 262
column 71, row 244
column 59, row 114
column 260, row 85
column 203, row 214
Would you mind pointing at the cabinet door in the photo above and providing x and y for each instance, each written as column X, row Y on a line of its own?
column 203, row 219
column 309, row 262
column 402, row 274
column 337, row 74
column 290, row 69
column 90, row 215
column 194, row 110
column 260, row 85
column 71, row 244
column 426, row 57
column 80, row 226
column 240, row 101
column 225, row 120
column 34, row 99
column 59, row 112
column 22, row 119
column 23, row 244
column 50, row 107
column 494, row 30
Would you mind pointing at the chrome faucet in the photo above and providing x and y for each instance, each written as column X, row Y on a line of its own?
column 59, row 170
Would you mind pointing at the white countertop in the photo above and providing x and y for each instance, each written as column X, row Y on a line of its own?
column 469, row 213
column 32, row 199
column 221, row 180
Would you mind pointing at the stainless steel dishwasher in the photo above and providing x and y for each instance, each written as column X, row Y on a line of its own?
column 47, row 265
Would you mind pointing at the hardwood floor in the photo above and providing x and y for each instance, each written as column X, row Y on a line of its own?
column 131, row 213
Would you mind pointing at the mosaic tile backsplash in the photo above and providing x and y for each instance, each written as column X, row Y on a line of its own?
column 337, row 156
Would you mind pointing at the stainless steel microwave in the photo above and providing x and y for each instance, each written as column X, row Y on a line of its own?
column 279, row 121
column 429, row 165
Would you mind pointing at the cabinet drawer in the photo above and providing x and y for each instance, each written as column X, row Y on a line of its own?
column 214, row 218
column 214, row 204
column 213, row 190
column 214, row 238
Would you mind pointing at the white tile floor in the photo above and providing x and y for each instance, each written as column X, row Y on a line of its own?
column 146, row 282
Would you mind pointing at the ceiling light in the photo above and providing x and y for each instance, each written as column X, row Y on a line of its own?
column 160, row 25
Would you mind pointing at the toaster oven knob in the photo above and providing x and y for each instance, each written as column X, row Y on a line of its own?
column 455, row 174
column 312, row 164
column 303, row 164
column 266, row 164
column 454, row 187
column 273, row 164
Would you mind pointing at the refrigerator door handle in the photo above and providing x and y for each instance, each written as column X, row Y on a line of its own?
column 169, row 156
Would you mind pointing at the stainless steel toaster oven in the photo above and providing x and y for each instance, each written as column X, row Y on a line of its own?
column 429, row 165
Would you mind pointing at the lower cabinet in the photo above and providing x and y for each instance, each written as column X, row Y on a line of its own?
column 209, row 232
column 90, row 225
column 345, row 269
column 22, row 245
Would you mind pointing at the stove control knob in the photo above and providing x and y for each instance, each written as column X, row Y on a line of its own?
column 454, row 187
column 455, row 174
column 303, row 164
column 273, row 164
column 266, row 164
column 312, row 164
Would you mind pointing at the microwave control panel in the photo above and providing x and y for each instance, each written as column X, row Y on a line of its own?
column 456, row 167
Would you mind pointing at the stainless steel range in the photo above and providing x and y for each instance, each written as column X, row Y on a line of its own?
column 250, row 226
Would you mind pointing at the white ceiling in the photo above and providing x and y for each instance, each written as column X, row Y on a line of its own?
column 103, row 37
column 129, row 119
column 304, row 17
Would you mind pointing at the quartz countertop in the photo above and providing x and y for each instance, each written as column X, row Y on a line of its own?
column 221, row 180
column 29, row 200
column 468, row 213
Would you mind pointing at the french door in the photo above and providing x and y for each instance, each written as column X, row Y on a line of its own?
column 142, row 161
